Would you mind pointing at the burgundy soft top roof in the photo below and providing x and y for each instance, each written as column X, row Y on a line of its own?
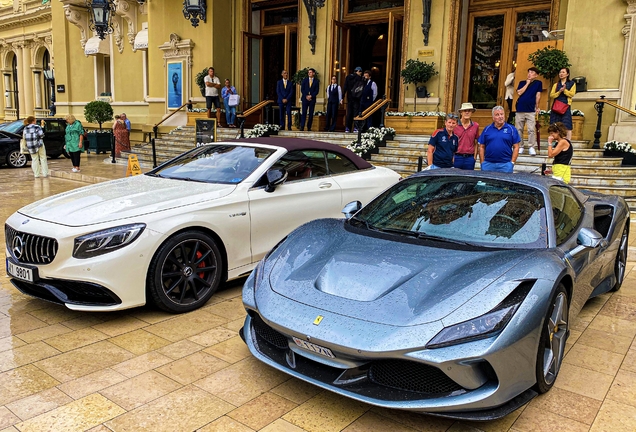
column 292, row 144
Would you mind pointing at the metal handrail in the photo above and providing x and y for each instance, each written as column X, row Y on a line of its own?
column 598, row 106
column 380, row 104
column 155, row 130
column 241, row 117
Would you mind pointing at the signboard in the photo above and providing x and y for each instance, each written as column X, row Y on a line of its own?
column 205, row 131
column 426, row 53
column 133, row 168
column 61, row 88
column 175, row 85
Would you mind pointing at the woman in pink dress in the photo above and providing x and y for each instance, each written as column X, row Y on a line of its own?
column 122, row 140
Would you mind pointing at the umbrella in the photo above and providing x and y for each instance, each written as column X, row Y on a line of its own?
column 537, row 126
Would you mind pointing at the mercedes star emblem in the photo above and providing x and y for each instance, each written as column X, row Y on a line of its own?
column 17, row 247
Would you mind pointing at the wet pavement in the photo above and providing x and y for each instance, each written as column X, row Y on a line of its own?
column 146, row 370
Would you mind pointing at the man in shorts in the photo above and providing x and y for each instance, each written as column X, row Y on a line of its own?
column 212, row 86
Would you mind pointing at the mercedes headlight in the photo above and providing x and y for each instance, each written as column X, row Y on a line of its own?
column 483, row 326
column 101, row 242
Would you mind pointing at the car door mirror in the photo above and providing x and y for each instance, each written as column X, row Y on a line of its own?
column 350, row 209
column 275, row 177
column 587, row 239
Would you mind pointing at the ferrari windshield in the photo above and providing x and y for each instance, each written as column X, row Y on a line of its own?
column 216, row 163
column 486, row 212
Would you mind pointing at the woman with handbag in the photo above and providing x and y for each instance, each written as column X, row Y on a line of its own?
column 562, row 93
column 230, row 101
column 74, row 140
column 560, row 149
column 32, row 135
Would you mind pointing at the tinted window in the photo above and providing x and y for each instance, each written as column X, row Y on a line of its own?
column 214, row 164
column 339, row 164
column 303, row 164
column 566, row 211
column 53, row 126
column 485, row 212
column 14, row 127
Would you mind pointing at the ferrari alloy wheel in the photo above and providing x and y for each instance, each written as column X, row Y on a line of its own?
column 15, row 159
column 621, row 258
column 185, row 272
column 554, row 334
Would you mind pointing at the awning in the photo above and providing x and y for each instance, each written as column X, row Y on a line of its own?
column 141, row 40
column 96, row 46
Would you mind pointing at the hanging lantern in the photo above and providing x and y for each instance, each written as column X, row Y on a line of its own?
column 194, row 10
column 100, row 16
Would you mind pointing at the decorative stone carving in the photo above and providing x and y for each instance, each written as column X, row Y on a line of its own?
column 40, row 41
column 176, row 47
column 78, row 17
column 128, row 11
column 117, row 33
column 631, row 7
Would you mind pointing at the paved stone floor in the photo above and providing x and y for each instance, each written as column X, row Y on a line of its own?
column 145, row 370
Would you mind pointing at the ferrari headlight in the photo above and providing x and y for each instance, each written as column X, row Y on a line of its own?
column 101, row 242
column 486, row 325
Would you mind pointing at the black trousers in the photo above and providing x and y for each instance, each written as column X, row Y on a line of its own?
column 332, row 116
column 285, row 110
column 307, row 105
column 353, row 109
column 75, row 158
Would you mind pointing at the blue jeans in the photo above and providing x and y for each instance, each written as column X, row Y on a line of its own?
column 464, row 162
column 230, row 113
column 498, row 167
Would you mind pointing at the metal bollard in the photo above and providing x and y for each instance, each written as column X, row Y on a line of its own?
column 544, row 166
column 420, row 161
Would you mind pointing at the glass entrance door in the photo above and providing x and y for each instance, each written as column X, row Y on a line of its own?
column 492, row 52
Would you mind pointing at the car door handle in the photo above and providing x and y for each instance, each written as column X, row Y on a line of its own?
column 324, row 185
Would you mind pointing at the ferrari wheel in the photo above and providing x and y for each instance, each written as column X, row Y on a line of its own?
column 554, row 334
column 15, row 159
column 185, row 272
column 621, row 258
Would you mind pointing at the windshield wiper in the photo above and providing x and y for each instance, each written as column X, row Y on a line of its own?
column 425, row 236
column 154, row 175
column 355, row 219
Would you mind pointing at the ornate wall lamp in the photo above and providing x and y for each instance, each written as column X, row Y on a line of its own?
column 100, row 18
column 312, row 9
column 426, row 19
column 194, row 10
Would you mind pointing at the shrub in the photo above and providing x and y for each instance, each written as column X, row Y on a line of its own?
column 98, row 112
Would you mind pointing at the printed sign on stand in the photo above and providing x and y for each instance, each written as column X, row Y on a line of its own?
column 205, row 131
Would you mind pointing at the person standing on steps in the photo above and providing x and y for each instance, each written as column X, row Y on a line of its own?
column 564, row 90
column 560, row 148
column 353, row 87
column 309, row 89
column 285, row 93
column 510, row 92
column 369, row 94
column 467, row 132
column 334, row 100
column 212, row 86
column 443, row 145
column 498, row 144
column 230, row 110
column 529, row 92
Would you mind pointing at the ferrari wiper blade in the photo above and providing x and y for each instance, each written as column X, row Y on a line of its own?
column 425, row 236
column 398, row 231
column 366, row 224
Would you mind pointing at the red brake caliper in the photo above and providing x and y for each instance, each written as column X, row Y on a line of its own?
column 201, row 264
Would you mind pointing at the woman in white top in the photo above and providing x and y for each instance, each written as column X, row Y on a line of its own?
column 510, row 91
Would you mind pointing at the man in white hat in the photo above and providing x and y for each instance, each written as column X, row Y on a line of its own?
column 467, row 132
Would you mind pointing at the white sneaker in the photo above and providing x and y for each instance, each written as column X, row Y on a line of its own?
column 532, row 151
column 75, row 170
column 520, row 150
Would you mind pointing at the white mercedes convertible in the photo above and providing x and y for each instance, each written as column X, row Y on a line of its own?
column 171, row 236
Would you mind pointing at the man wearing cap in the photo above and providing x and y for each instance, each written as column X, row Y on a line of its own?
column 498, row 144
column 529, row 92
column 353, row 87
column 467, row 132
column 443, row 145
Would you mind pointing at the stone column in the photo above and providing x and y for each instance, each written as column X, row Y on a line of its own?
column 19, row 78
column 37, row 83
column 27, row 77
column 8, row 96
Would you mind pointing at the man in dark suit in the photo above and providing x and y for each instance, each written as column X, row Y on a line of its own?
column 309, row 90
column 352, row 88
column 285, row 92
column 369, row 95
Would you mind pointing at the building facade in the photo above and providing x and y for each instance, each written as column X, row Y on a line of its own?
column 148, row 65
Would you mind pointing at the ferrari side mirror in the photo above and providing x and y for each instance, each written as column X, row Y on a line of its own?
column 350, row 209
column 587, row 239
column 275, row 177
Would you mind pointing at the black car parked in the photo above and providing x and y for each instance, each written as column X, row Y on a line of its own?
column 11, row 134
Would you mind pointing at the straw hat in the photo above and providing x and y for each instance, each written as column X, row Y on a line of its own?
column 466, row 106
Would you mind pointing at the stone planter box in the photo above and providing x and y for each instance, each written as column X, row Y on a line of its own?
column 577, row 130
column 414, row 125
column 629, row 159
column 317, row 124
column 193, row 116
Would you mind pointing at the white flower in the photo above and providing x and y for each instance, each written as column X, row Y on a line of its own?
column 416, row 114
column 619, row 146
column 260, row 129
column 370, row 139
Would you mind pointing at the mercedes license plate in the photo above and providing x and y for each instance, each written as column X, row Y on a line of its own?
column 313, row 347
column 24, row 273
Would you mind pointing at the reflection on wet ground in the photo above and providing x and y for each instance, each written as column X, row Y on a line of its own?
column 145, row 370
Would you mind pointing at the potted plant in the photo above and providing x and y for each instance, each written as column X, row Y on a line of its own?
column 620, row 149
column 300, row 75
column 200, row 80
column 99, row 112
column 416, row 122
column 418, row 72
column 549, row 61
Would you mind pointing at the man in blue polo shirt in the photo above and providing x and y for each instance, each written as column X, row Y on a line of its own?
column 498, row 144
column 443, row 145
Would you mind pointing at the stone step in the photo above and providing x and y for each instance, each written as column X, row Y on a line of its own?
column 607, row 181
column 624, row 191
column 412, row 158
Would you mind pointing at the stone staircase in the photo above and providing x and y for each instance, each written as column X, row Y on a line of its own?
column 589, row 169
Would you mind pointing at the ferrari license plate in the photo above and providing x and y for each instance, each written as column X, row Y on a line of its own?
column 21, row 272
column 313, row 347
